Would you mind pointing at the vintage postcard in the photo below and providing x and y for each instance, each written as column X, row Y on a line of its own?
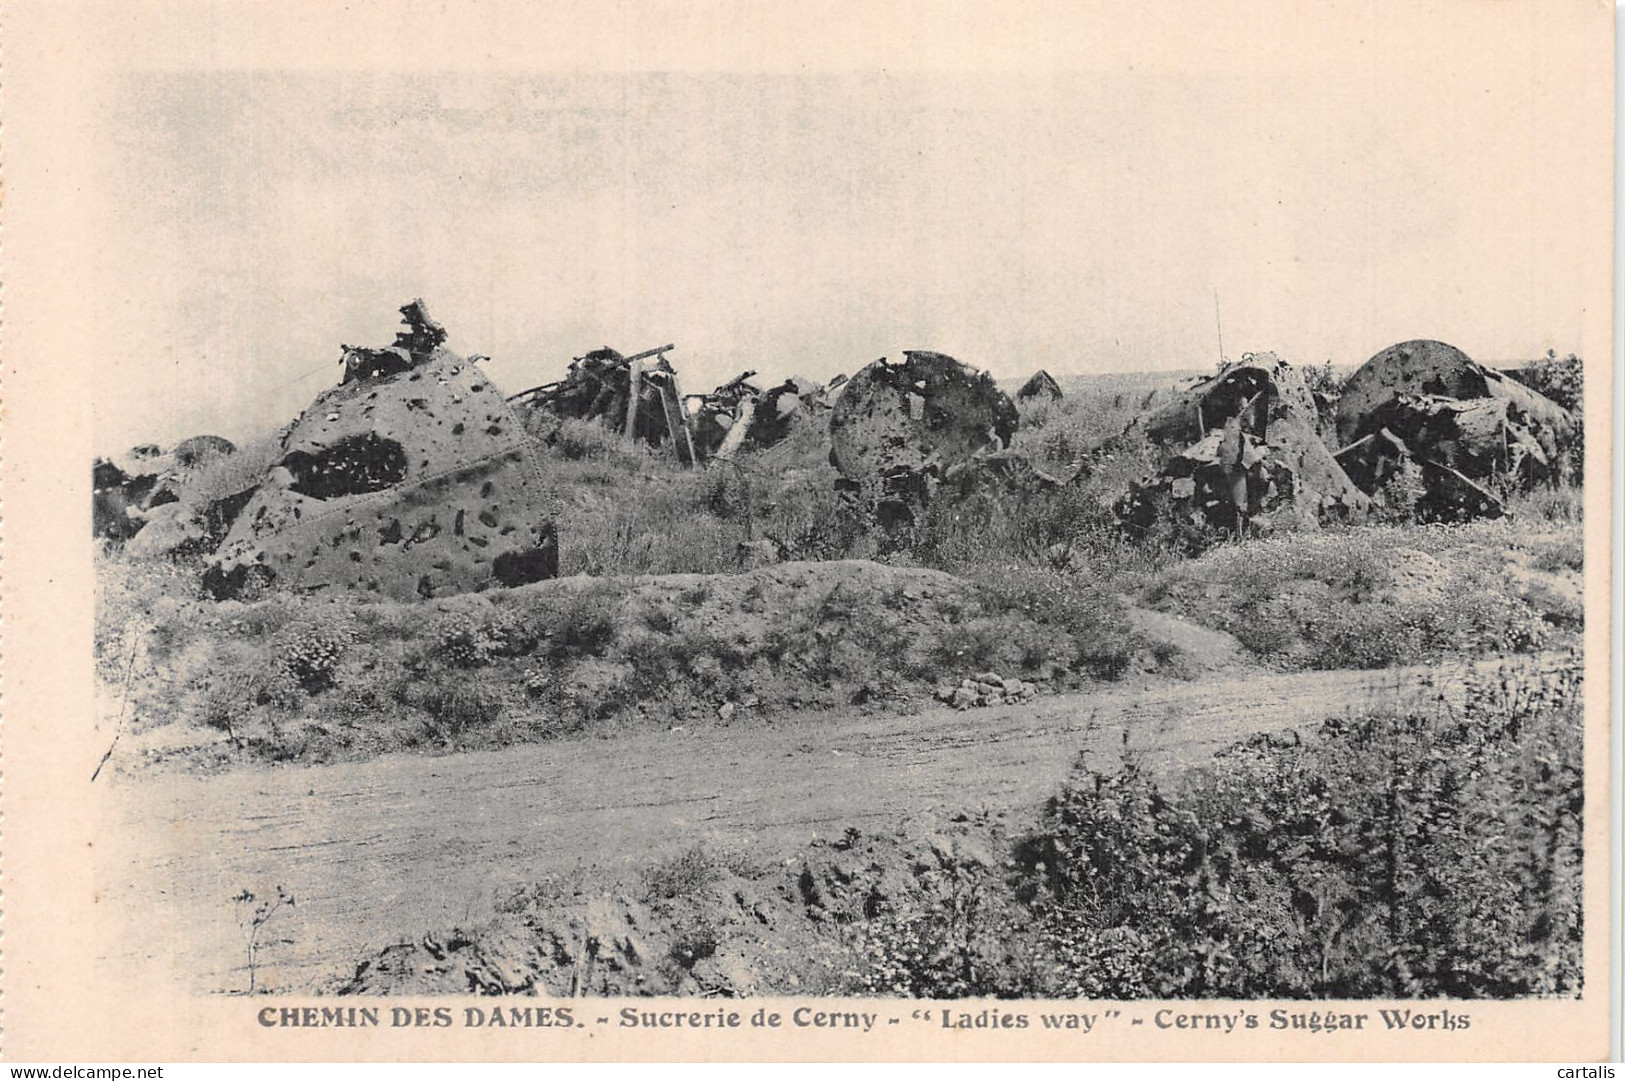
column 738, row 531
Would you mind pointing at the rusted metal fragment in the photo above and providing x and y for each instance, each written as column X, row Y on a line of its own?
column 780, row 408
column 1262, row 382
column 1476, row 437
column 898, row 426
column 1041, row 385
column 1425, row 488
column 414, row 344
column 740, row 415
column 415, row 483
column 714, row 417
column 636, row 395
column 1435, row 369
column 422, row 335
column 1232, row 479
column 364, row 363
column 738, row 426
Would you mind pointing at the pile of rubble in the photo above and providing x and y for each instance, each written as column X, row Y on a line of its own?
column 1428, row 409
column 1247, row 448
column 987, row 689
column 739, row 415
column 636, row 395
column 1242, row 449
column 411, row 478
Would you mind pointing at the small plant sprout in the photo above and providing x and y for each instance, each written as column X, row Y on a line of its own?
column 253, row 913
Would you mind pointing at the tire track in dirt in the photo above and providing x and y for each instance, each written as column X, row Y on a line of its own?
column 381, row 851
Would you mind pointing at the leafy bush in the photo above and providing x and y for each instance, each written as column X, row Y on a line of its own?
column 683, row 875
column 309, row 650
column 1562, row 379
column 566, row 624
column 453, row 704
column 1401, row 855
column 961, row 934
column 1323, row 379
column 473, row 638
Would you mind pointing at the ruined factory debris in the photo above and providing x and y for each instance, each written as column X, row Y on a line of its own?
column 127, row 491
column 413, row 345
column 1434, row 368
column 1242, row 452
column 740, row 415
column 411, row 478
column 1421, row 427
column 900, row 425
column 720, row 419
column 637, row 396
column 1425, row 412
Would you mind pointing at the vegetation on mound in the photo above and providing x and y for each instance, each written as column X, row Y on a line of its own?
column 1376, row 596
column 1413, row 854
column 292, row 677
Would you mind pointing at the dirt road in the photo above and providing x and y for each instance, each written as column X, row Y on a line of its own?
column 380, row 851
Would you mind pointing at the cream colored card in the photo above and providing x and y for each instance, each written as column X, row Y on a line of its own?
column 204, row 200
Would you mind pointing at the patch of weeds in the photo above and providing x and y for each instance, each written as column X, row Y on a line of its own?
column 683, row 876
column 253, row 913
column 455, row 705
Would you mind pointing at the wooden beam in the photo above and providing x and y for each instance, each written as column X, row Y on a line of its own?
column 634, row 370
column 736, row 434
column 671, row 400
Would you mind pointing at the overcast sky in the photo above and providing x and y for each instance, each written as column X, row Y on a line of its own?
column 807, row 222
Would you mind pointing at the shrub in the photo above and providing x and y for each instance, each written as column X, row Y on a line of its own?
column 454, row 704
column 474, row 638
column 309, row 650
column 1368, row 597
column 1099, row 639
column 1399, row 855
column 1323, row 379
column 953, row 941
column 1560, row 379
column 566, row 624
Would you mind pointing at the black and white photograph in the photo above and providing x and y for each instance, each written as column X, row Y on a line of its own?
column 1079, row 529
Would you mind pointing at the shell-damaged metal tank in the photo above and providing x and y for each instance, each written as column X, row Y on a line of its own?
column 412, row 478
column 900, row 426
column 1429, row 407
column 1434, row 369
column 1243, row 453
